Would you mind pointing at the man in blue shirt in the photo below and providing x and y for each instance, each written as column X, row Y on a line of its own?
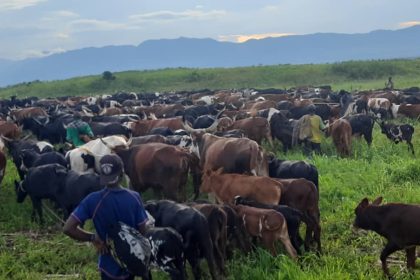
column 105, row 208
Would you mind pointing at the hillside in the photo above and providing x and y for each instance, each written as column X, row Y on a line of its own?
column 207, row 53
column 347, row 75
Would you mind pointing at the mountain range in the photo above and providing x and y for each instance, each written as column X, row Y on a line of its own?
column 205, row 53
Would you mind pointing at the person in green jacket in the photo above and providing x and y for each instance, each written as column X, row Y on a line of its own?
column 78, row 132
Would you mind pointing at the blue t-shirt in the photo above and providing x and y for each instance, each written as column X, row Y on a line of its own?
column 108, row 207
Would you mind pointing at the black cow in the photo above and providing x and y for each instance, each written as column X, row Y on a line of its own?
column 293, row 218
column 193, row 227
column 282, row 129
column 167, row 251
column 51, row 129
column 398, row 133
column 362, row 125
column 16, row 147
column 116, row 118
column 55, row 182
column 30, row 158
column 204, row 121
column 103, row 129
column 164, row 131
column 289, row 169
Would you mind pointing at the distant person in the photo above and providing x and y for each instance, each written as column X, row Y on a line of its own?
column 105, row 208
column 78, row 132
column 313, row 142
column 389, row 84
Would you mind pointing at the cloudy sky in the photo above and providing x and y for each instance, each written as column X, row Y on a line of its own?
column 31, row 28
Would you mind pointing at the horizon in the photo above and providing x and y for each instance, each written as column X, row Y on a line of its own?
column 39, row 28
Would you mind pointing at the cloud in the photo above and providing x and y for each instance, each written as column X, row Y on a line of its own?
column 244, row 38
column 184, row 15
column 96, row 25
column 6, row 5
column 39, row 53
column 409, row 23
column 62, row 35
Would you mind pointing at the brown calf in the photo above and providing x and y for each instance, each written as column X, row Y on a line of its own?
column 340, row 131
column 302, row 195
column 267, row 224
column 397, row 222
column 226, row 186
column 255, row 128
column 10, row 130
column 30, row 112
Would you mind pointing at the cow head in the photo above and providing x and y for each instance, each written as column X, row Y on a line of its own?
column 208, row 179
column 361, row 220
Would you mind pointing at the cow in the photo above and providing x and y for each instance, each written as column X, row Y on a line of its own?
column 193, row 227
column 226, row 186
column 234, row 133
column 395, row 222
column 147, row 139
column 167, row 251
column 255, row 128
column 10, row 130
column 282, row 129
column 408, row 110
column 164, row 131
column 96, row 149
column 267, row 224
column 162, row 167
column 376, row 103
column 293, row 218
column 3, row 164
column 340, row 131
column 30, row 158
column 235, row 155
column 101, row 129
column 53, row 181
column 20, row 114
column 217, row 220
column 362, row 125
column 288, row 169
column 398, row 133
column 302, row 195
column 143, row 127
column 16, row 147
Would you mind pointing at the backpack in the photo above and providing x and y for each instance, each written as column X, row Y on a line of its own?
column 131, row 249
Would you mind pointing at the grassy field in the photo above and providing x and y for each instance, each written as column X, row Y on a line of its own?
column 353, row 75
column 28, row 251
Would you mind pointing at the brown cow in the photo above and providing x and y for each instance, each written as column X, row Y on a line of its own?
column 408, row 110
column 159, row 166
column 143, row 127
column 217, row 220
column 397, row 222
column 169, row 111
column 261, row 105
column 30, row 112
column 255, row 128
column 227, row 186
column 302, row 195
column 111, row 111
column 267, row 224
column 341, row 131
column 10, row 130
column 147, row 139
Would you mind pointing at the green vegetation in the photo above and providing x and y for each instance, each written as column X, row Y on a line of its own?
column 353, row 75
column 28, row 251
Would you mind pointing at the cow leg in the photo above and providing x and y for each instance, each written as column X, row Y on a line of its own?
column 411, row 257
column 410, row 146
column 388, row 250
column 37, row 206
column 194, row 261
column 284, row 238
column 178, row 273
column 268, row 242
column 218, row 255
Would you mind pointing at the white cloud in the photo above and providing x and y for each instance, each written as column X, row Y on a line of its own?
column 244, row 38
column 271, row 8
column 6, row 5
column 96, row 25
column 39, row 53
column 409, row 23
column 62, row 35
column 184, row 15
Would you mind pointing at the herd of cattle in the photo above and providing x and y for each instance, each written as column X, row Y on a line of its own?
column 214, row 136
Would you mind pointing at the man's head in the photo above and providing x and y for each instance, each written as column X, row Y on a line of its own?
column 111, row 170
column 311, row 109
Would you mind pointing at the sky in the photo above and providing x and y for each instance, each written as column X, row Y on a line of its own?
column 34, row 28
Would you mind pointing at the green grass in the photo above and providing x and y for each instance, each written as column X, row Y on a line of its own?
column 352, row 75
column 28, row 251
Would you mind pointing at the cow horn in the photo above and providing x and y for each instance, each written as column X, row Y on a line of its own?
column 187, row 127
column 153, row 116
column 26, row 136
column 47, row 120
column 36, row 120
column 130, row 140
column 213, row 127
column 7, row 139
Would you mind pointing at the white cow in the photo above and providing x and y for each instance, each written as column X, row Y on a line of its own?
column 96, row 148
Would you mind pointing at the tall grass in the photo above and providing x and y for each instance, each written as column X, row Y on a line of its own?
column 350, row 75
column 29, row 251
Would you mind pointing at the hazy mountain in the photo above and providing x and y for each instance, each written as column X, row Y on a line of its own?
column 202, row 53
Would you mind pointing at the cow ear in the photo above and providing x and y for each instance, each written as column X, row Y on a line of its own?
column 377, row 201
column 364, row 203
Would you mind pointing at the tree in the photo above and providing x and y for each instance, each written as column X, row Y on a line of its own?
column 107, row 75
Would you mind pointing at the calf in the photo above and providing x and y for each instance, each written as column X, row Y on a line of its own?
column 193, row 227
column 340, row 131
column 302, row 195
column 288, row 169
column 293, row 218
column 395, row 222
column 227, row 186
column 267, row 224
column 167, row 251
column 408, row 110
column 398, row 133
column 362, row 125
